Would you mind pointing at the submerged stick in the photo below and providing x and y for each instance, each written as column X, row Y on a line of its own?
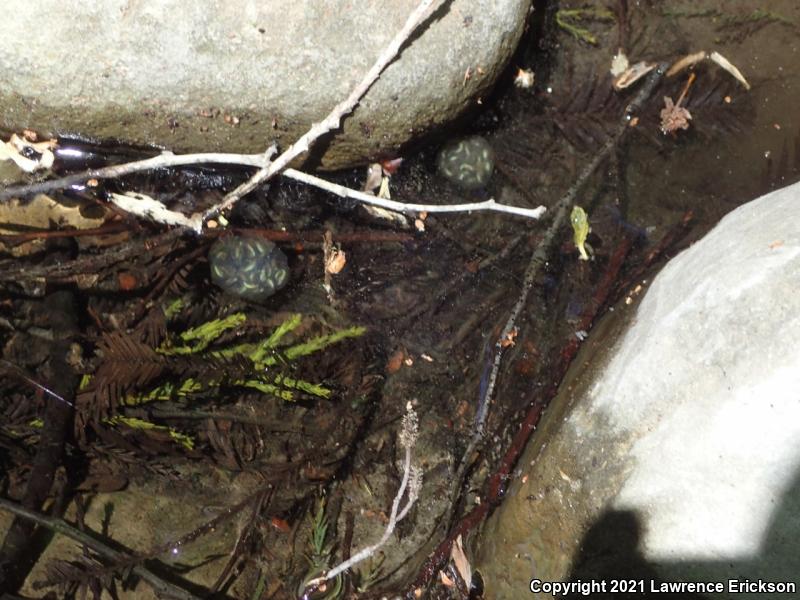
column 538, row 259
column 18, row 552
column 539, row 255
column 161, row 587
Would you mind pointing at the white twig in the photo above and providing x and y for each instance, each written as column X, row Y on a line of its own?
column 345, row 192
column 412, row 481
column 246, row 160
column 333, row 119
column 157, row 162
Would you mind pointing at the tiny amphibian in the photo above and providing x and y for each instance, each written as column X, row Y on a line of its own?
column 580, row 229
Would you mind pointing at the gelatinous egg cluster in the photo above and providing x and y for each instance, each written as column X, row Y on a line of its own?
column 468, row 162
column 248, row 267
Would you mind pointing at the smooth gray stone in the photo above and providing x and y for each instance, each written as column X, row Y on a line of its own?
column 179, row 74
column 673, row 454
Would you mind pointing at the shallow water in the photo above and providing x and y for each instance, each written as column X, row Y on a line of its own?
column 435, row 301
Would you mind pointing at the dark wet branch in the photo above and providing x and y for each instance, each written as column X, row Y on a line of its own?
column 495, row 486
column 18, row 553
column 161, row 587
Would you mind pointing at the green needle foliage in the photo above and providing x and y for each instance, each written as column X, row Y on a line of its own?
column 205, row 334
column 570, row 20
column 319, row 558
column 184, row 440
column 201, row 360
column 266, row 360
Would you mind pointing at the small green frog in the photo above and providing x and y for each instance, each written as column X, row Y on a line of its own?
column 580, row 229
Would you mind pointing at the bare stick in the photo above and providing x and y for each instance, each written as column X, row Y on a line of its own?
column 267, row 169
column 157, row 162
column 154, row 211
column 333, row 120
column 161, row 587
column 345, row 192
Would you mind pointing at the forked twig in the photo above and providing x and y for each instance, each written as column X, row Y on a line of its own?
column 145, row 208
column 333, row 119
column 345, row 192
column 156, row 211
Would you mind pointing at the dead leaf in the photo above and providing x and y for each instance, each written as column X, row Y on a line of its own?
column 619, row 63
column 524, row 78
column 384, row 191
column 509, row 339
column 461, row 561
column 391, row 166
column 335, row 258
column 728, row 66
column 632, row 74
column 395, row 361
column 685, row 62
column 43, row 212
column 389, row 215
column 16, row 148
column 336, row 261
column 374, row 178
column 143, row 205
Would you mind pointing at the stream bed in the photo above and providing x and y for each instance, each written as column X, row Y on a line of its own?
column 276, row 452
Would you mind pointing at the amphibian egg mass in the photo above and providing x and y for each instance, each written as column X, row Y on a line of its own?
column 249, row 267
column 468, row 162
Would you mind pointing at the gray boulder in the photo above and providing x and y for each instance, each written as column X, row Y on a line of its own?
column 237, row 75
column 676, row 456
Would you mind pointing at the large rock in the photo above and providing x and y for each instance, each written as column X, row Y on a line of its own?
column 676, row 457
column 236, row 75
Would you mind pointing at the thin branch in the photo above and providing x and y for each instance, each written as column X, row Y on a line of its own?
column 88, row 264
column 155, row 211
column 538, row 258
column 161, row 587
column 494, row 487
column 268, row 169
column 333, row 120
column 345, row 192
column 244, row 535
column 269, row 424
column 157, row 162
